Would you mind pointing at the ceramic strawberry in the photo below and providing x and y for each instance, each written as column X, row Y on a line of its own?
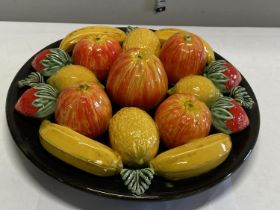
column 38, row 101
column 223, row 74
column 49, row 61
column 228, row 116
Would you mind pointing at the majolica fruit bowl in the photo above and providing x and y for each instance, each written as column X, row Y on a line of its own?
column 35, row 140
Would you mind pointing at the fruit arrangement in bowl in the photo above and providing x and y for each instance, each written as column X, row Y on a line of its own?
column 166, row 106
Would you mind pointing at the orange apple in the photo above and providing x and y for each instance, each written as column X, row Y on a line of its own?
column 181, row 118
column 96, row 53
column 137, row 78
column 85, row 108
column 183, row 54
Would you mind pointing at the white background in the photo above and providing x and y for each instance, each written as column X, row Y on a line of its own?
column 256, row 185
column 179, row 12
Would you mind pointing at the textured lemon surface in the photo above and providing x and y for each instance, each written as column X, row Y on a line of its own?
column 142, row 38
column 200, row 86
column 69, row 75
column 134, row 135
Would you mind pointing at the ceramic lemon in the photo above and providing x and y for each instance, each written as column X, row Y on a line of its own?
column 134, row 135
column 69, row 75
column 200, row 86
column 142, row 38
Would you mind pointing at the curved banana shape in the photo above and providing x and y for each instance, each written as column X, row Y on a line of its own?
column 72, row 38
column 194, row 158
column 78, row 150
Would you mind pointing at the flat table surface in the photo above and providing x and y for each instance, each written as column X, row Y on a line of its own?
column 254, row 51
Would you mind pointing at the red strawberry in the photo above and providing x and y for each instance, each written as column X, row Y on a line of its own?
column 38, row 101
column 24, row 103
column 228, row 116
column 224, row 75
column 49, row 61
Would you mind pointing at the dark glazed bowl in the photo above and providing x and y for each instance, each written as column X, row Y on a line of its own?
column 25, row 134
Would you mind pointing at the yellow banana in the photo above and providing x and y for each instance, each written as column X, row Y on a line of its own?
column 72, row 38
column 194, row 158
column 78, row 150
column 165, row 33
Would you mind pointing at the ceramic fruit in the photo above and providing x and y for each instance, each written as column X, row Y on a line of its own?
column 78, row 150
column 194, row 158
column 228, row 116
column 242, row 97
column 142, row 38
column 134, row 135
column 198, row 85
column 31, row 80
column 224, row 75
column 49, row 61
column 165, row 33
column 210, row 55
column 182, row 118
column 69, row 41
column 38, row 101
column 137, row 78
column 69, row 75
column 85, row 108
column 97, row 53
column 182, row 55
column 137, row 180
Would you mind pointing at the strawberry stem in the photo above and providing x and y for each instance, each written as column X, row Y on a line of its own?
column 45, row 100
column 242, row 97
column 31, row 80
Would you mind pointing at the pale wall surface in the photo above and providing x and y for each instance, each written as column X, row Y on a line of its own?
column 179, row 12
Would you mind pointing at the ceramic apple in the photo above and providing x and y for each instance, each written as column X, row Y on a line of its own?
column 182, row 118
column 137, row 78
column 96, row 53
column 183, row 54
column 85, row 108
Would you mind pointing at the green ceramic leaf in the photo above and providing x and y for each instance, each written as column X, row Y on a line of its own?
column 137, row 180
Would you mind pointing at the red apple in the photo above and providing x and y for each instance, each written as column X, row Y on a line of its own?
column 85, row 108
column 137, row 78
column 96, row 53
column 181, row 118
column 182, row 55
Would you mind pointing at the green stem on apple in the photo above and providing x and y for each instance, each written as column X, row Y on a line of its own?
column 188, row 38
column 84, row 86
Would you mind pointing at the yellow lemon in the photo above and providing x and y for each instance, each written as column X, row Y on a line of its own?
column 142, row 38
column 134, row 135
column 200, row 86
column 69, row 75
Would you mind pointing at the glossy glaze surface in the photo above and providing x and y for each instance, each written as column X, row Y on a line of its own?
column 25, row 133
column 137, row 79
